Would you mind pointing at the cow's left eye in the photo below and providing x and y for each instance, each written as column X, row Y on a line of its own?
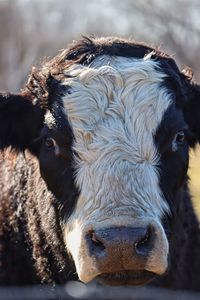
column 179, row 140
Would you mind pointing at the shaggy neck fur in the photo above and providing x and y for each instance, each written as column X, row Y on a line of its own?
column 31, row 245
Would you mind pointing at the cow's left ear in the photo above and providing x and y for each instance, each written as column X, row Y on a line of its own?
column 191, row 107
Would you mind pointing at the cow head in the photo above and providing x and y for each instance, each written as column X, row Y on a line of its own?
column 112, row 143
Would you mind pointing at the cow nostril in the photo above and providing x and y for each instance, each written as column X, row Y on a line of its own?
column 142, row 246
column 96, row 241
column 95, row 244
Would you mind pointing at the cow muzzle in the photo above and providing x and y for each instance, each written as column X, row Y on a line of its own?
column 122, row 254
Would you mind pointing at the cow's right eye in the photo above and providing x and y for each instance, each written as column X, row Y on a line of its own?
column 179, row 140
column 49, row 143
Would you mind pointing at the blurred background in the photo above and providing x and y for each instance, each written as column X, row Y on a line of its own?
column 33, row 30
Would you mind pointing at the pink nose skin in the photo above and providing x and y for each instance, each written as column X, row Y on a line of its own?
column 120, row 248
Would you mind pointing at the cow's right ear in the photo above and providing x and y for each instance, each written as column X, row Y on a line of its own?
column 192, row 110
column 20, row 121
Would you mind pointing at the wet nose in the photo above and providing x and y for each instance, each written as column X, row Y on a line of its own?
column 120, row 247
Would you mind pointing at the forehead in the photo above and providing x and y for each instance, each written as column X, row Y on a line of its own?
column 111, row 88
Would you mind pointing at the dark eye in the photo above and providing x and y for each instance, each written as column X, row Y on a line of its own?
column 178, row 141
column 49, row 142
column 180, row 137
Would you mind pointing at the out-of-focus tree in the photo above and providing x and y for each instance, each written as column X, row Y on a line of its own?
column 31, row 30
column 175, row 25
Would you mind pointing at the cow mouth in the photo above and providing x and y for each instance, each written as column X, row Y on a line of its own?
column 126, row 277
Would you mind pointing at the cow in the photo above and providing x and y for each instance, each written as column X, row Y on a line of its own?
column 93, row 172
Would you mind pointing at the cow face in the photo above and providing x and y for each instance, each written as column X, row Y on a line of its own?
column 114, row 151
column 131, row 149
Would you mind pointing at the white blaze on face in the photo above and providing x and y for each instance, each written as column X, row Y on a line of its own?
column 115, row 106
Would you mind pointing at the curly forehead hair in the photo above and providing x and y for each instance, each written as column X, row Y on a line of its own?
column 44, row 80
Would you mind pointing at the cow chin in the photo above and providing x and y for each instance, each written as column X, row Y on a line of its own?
column 114, row 254
column 126, row 277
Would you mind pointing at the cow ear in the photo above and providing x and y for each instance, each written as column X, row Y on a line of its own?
column 20, row 121
column 192, row 109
